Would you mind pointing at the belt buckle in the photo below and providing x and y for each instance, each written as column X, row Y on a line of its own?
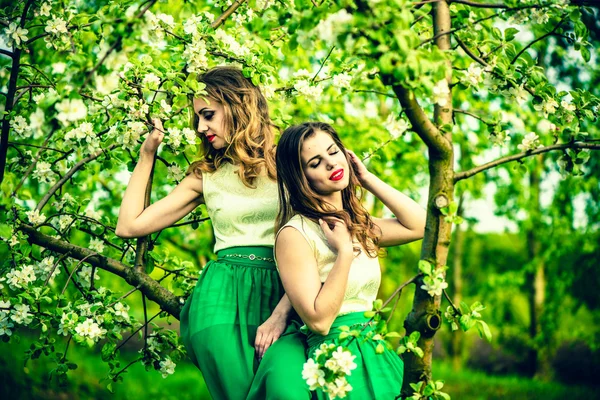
column 252, row 257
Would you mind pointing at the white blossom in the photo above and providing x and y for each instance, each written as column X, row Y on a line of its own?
column 396, row 127
column 35, row 217
column 329, row 29
column 568, row 106
column 91, row 329
column 313, row 374
column 93, row 214
column 64, row 221
column 166, row 19
column 190, row 136
column 231, row 44
column 151, row 81
column 344, row 360
column 190, row 26
column 96, row 245
column 175, row 172
column 547, row 107
column 56, row 26
column 304, row 87
column 38, row 98
column 5, row 324
column 338, row 388
column 530, row 141
column 16, row 35
column 45, row 267
column 441, row 92
column 85, row 274
column 474, row 75
column 174, row 138
column 45, row 9
column 499, row 138
column 540, row 16
column 167, row 367
column 20, row 126
column 133, row 131
column 70, row 110
column 59, row 67
column 121, row 312
column 20, row 278
column 20, row 314
column 43, row 172
column 434, row 285
column 195, row 56
column 165, row 107
column 36, row 119
column 519, row 93
column 68, row 322
column 342, row 80
column 106, row 84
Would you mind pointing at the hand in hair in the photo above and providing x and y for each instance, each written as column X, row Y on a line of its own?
column 154, row 138
column 362, row 173
column 337, row 234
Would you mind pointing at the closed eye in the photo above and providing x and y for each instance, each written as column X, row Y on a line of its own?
column 208, row 115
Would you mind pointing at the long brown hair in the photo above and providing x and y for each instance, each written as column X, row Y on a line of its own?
column 296, row 196
column 248, row 127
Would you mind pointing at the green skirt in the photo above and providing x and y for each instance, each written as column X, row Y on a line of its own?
column 377, row 376
column 234, row 295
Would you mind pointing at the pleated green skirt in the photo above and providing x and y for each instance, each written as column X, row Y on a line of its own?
column 234, row 295
column 377, row 376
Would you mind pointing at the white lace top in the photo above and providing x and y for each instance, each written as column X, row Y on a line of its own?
column 365, row 273
column 240, row 216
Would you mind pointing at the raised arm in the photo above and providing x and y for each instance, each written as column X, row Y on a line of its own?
column 317, row 304
column 134, row 220
column 409, row 224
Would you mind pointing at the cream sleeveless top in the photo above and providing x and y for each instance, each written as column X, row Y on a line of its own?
column 364, row 277
column 240, row 216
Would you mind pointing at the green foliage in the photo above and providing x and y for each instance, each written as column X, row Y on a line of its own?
column 91, row 74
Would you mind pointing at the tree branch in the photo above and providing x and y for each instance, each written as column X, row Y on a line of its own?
column 167, row 301
column 219, row 21
column 538, row 39
column 69, row 174
column 469, row 52
column 573, row 145
column 421, row 124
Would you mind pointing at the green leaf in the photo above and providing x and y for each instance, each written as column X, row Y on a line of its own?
column 484, row 330
column 425, row 267
column 585, row 53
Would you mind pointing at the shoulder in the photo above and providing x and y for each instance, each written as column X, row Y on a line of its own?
column 192, row 182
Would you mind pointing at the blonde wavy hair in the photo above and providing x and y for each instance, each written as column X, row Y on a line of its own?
column 249, row 131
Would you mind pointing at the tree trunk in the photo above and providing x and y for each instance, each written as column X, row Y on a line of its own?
column 456, row 342
column 425, row 316
column 537, row 361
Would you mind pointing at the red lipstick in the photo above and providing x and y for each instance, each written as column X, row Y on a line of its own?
column 337, row 175
column 210, row 138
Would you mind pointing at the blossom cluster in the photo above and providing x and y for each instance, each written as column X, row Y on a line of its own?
column 328, row 368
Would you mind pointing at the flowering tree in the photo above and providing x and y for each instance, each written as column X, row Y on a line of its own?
column 397, row 78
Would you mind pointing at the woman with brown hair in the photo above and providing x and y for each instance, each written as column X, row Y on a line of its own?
column 238, row 308
column 326, row 250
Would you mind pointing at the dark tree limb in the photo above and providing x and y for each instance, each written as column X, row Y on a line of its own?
column 167, row 301
column 573, row 145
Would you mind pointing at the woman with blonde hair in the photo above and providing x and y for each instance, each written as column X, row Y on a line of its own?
column 238, row 308
column 327, row 246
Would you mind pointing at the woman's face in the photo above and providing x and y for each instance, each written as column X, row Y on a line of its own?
column 211, row 122
column 325, row 165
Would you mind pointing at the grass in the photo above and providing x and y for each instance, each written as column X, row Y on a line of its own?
column 32, row 381
column 466, row 384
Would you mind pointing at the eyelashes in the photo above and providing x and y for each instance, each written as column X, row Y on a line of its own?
column 319, row 162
